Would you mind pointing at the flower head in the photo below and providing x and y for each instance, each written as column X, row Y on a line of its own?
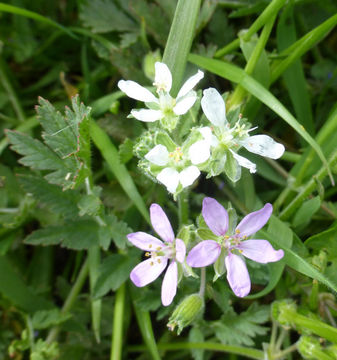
column 231, row 139
column 235, row 245
column 164, row 107
column 160, row 253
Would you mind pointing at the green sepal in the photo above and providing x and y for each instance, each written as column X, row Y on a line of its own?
column 162, row 138
column 232, row 168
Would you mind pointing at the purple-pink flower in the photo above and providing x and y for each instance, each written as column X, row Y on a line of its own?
column 235, row 245
column 159, row 253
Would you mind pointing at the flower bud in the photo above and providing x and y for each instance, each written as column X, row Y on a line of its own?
column 186, row 312
column 148, row 65
column 283, row 312
column 309, row 347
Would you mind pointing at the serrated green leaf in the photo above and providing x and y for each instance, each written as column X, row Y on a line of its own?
column 241, row 329
column 113, row 272
column 44, row 319
column 89, row 205
column 103, row 16
column 61, row 202
column 118, row 230
column 77, row 235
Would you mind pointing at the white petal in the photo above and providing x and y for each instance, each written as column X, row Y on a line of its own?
column 207, row 134
column 190, row 83
column 264, row 145
column 163, row 77
column 214, row 107
column 244, row 162
column 199, row 152
column 185, row 103
column 188, row 175
column 147, row 115
column 135, row 91
column 158, row 155
column 170, row 178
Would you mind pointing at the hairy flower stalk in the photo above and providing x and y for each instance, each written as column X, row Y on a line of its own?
column 160, row 253
column 235, row 245
column 164, row 107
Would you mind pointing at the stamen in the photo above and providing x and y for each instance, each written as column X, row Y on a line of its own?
column 158, row 248
column 237, row 231
column 147, row 254
column 159, row 261
column 151, row 263
column 150, row 246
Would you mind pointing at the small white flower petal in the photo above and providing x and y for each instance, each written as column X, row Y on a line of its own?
column 183, row 104
column 190, row 83
column 136, row 91
column 244, row 162
column 207, row 134
column 158, row 155
column 264, row 145
column 188, row 176
column 170, row 178
column 214, row 107
column 163, row 77
column 147, row 115
column 199, row 152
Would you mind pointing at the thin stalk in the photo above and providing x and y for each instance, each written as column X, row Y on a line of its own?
column 71, row 298
column 202, row 282
column 239, row 91
column 273, row 336
column 280, row 339
column 11, row 94
column 183, row 208
column 285, row 352
column 239, row 350
column 117, row 332
column 270, row 11
column 291, row 157
column 308, row 188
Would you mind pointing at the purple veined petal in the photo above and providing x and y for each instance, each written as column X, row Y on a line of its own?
column 136, row 91
column 237, row 275
column 215, row 216
column 260, row 251
column 147, row 115
column 147, row 271
column 169, row 285
column 144, row 241
column 163, row 77
column 161, row 223
column 204, row 254
column 190, row 83
column 254, row 221
column 180, row 250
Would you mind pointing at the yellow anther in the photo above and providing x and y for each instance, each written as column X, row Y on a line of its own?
column 176, row 154
column 151, row 263
column 226, row 237
column 150, row 246
column 158, row 248
column 147, row 254
column 240, row 251
column 237, row 231
column 159, row 261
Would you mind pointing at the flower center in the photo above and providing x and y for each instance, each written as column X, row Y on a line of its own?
column 176, row 155
column 166, row 251
column 231, row 242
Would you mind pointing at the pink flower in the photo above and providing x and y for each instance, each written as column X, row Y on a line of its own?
column 159, row 253
column 207, row 252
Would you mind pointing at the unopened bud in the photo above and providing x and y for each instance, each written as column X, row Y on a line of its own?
column 309, row 347
column 186, row 312
column 283, row 312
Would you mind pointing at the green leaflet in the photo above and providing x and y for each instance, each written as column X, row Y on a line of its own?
column 237, row 75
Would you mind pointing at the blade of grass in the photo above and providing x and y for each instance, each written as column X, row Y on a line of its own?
column 294, row 76
column 270, row 11
column 110, row 154
column 35, row 16
column 180, row 40
column 237, row 75
column 117, row 333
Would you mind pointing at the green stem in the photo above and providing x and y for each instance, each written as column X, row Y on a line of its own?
column 240, row 92
column 71, row 298
column 11, row 93
column 308, row 188
column 291, row 157
column 117, row 332
column 285, row 352
column 239, row 350
column 270, row 11
column 202, row 282
column 183, row 208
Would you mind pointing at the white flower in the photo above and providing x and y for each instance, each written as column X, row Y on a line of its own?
column 177, row 165
column 163, row 105
column 233, row 138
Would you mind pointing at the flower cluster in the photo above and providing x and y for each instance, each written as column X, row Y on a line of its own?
column 212, row 149
column 234, row 246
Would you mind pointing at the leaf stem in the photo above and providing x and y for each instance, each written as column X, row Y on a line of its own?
column 202, row 282
column 117, row 327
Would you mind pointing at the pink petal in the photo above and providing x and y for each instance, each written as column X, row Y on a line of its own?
column 204, row 254
column 215, row 216
column 180, row 250
column 260, row 251
column 144, row 241
column 147, row 271
column 161, row 223
column 254, row 221
column 237, row 275
column 169, row 285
